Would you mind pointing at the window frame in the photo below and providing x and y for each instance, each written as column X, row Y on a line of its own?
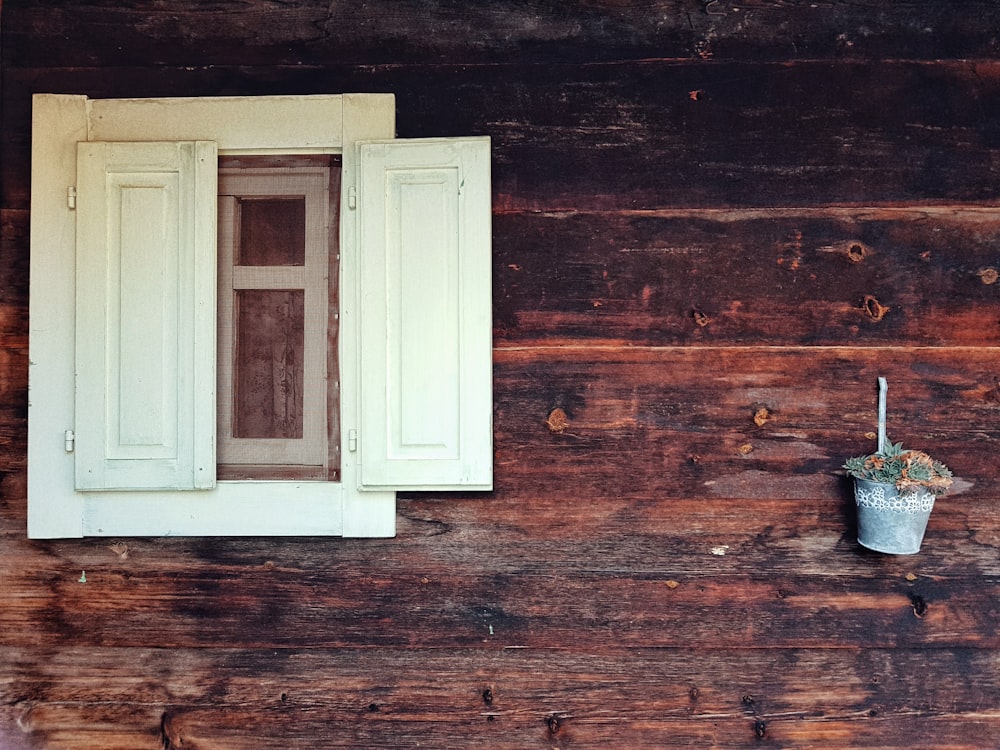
column 285, row 125
column 317, row 184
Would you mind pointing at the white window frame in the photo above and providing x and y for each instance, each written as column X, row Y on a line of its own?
column 312, row 184
column 323, row 124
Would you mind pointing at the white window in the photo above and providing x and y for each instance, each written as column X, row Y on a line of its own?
column 252, row 316
column 277, row 365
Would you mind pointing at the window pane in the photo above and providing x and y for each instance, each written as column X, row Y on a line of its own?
column 270, row 335
column 272, row 232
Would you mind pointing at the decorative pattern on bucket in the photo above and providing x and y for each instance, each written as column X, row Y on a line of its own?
column 876, row 497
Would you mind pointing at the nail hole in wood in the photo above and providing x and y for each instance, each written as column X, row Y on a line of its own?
column 552, row 722
column 760, row 729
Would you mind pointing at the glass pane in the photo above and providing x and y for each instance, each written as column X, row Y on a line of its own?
column 272, row 232
column 270, row 335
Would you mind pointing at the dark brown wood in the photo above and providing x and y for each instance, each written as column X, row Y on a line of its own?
column 512, row 698
column 897, row 276
column 808, row 133
column 714, row 225
column 683, row 420
column 386, row 32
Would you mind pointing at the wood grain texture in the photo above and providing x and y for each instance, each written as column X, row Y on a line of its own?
column 917, row 276
column 714, row 225
column 273, row 32
column 649, row 134
column 505, row 698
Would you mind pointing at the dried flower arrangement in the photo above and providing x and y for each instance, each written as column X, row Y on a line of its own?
column 908, row 470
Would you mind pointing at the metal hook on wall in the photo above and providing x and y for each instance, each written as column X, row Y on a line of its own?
column 708, row 9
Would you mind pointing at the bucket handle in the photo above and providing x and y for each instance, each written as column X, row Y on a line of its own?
column 883, row 386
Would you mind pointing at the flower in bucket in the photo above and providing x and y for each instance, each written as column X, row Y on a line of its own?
column 908, row 470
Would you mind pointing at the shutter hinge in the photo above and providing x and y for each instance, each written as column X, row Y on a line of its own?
column 71, row 198
column 70, row 438
column 352, row 440
column 352, row 197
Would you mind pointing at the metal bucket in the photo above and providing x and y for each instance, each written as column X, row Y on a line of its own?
column 888, row 521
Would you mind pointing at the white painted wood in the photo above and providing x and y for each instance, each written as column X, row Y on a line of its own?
column 366, row 512
column 58, row 123
column 260, row 124
column 313, row 124
column 145, row 302
column 312, row 278
column 426, row 386
column 284, row 508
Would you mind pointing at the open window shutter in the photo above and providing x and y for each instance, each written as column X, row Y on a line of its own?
column 145, row 315
column 426, row 331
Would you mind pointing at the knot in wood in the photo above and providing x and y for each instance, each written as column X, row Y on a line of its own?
column 855, row 251
column 761, row 416
column 989, row 276
column 557, row 420
column 875, row 309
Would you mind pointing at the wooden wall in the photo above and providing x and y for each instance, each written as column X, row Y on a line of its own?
column 715, row 224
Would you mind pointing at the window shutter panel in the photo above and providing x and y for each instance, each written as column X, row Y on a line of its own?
column 145, row 315
column 426, row 327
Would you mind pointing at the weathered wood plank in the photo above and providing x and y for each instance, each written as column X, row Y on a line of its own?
column 917, row 276
column 687, row 422
column 272, row 32
column 250, row 608
column 504, row 698
column 650, row 135
column 586, row 573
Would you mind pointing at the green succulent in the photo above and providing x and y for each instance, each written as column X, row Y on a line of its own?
column 906, row 469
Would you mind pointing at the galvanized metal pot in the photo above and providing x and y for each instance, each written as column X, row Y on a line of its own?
column 890, row 521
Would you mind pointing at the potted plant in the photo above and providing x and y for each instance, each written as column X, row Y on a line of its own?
column 894, row 490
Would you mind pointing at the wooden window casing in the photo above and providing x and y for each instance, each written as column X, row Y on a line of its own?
column 386, row 326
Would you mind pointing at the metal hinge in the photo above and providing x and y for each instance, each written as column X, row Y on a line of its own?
column 70, row 438
column 71, row 198
column 352, row 197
